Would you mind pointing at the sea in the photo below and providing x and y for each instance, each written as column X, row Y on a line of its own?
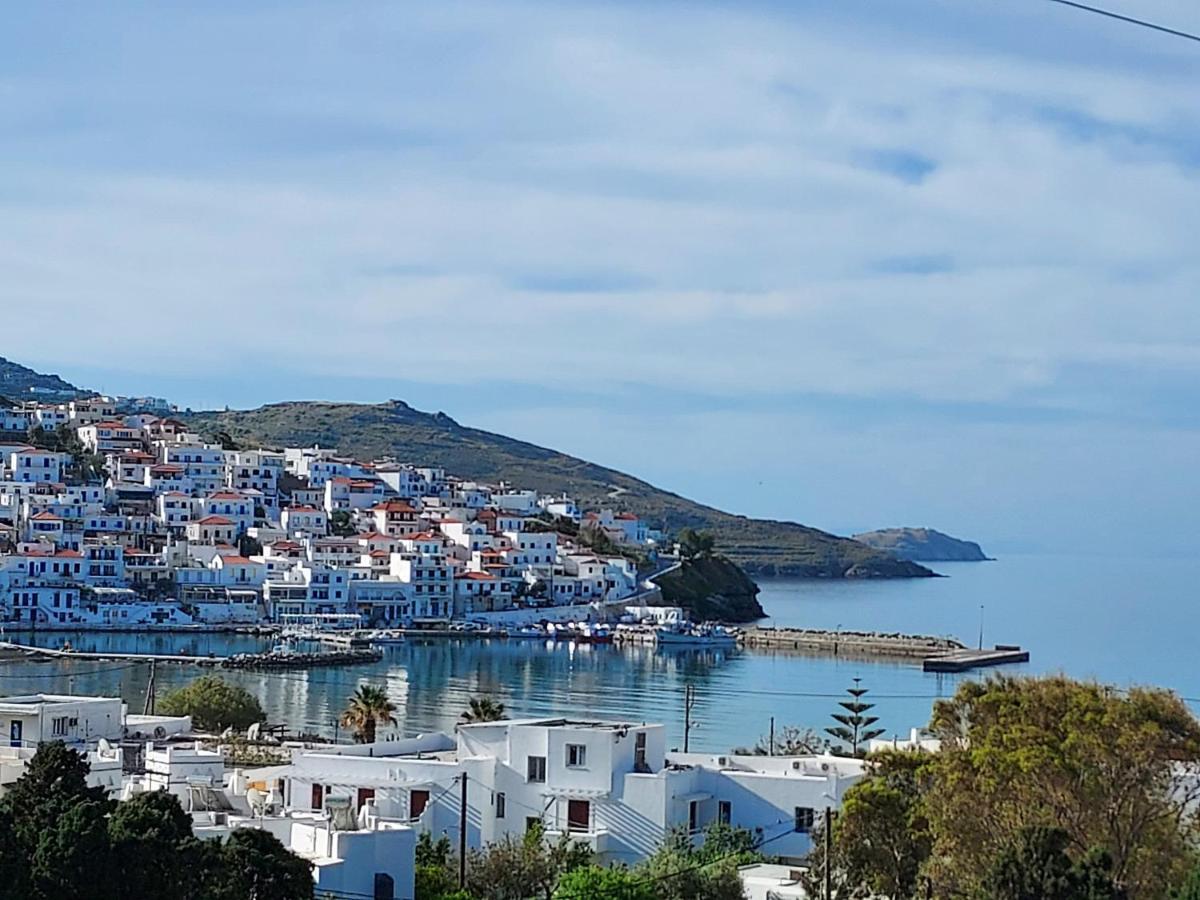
column 1121, row 621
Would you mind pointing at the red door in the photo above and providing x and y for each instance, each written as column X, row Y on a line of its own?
column 579, row 815
column 365, row 794
column 417, row 801
column 318, row 796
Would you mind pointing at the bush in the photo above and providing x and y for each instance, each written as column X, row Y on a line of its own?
column 214, row 705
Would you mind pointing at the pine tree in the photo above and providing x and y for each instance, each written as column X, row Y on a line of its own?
column 854, row 725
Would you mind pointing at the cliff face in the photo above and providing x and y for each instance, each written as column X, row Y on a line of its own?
column 712, row 588
column 923, row 544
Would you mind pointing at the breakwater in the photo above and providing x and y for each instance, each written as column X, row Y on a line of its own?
column 849, row 643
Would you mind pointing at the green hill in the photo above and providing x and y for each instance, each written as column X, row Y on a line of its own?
column 396, row 430
column 18, row 382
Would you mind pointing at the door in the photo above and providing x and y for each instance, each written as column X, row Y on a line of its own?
column 15, row 732
column 364, row 794
column 318, row 796
column 579, row 815
column 417, row 801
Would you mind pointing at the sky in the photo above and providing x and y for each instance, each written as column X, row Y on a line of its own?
column 854, row 264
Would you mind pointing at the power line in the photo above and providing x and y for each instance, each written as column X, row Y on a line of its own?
column 1187, row 35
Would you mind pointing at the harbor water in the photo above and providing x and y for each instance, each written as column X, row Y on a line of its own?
column 1121, row 621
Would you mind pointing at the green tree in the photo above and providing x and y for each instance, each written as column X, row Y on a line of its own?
column 252, row 863
column 681, row 871
column 1189, row 889
column 881, row 837
column 1017, row 753
column 617, row 883
column 1037, row 867
column 696, row 544
column 368, row 707
column 152, row 847
column 214, row 704
column 854, row 726
column 518, row 868
column 341, row 523
column 482, row 709
column 435, row 875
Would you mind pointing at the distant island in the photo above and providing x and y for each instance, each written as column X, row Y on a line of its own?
column 922, row 545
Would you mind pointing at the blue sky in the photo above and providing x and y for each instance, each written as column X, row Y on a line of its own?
column 854, row 264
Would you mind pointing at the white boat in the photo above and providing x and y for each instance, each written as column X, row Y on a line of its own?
column 385, row 636
column 696, row 636
column 527, row 633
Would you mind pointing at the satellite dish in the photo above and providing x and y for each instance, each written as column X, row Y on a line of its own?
column 160, row 732
column 103, row 745
column 257, row 801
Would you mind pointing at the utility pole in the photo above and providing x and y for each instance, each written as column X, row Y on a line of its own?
column 462, row 832
column 980, row 626
column 149, row 707
column 771, row 744
column 689, row 700
column 828, row 853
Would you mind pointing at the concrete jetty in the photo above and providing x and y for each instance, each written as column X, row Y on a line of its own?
column 965, row 660
column 849, row 643
column 67, row 653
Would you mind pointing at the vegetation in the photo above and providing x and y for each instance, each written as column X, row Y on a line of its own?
column 712, row 588
column 17, row 381
column 368, row 708
column 1042, row 787
column 518, row 868
column 854, row 728
column 696, row 544
column 62, row 840
column 790, row 740
column 342, row 524
column 482, row 709
column 84, row 465
column 214, row 705
column 395, row 429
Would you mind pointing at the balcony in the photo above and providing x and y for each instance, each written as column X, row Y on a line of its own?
column 598, row 840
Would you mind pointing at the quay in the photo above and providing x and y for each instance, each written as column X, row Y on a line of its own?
column 50, row 653
column 849, row 643
column 965, row 660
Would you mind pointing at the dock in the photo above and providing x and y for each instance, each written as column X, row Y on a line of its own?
column 966, row 660
column 849, row 643
column 50, row 653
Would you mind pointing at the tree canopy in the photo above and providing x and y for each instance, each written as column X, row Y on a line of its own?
column 482, row 709
column 214, row 704
column 1045, row 784
column 368, row 708
column 63, row 840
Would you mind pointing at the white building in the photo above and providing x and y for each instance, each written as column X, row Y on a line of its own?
column 611, row 785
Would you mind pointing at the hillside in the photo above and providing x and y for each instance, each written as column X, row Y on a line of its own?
column 394, row 429
column 922, row 545
column 20, row 383
column 712, row 589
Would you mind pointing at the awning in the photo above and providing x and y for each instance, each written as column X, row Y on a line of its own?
column 694, row 797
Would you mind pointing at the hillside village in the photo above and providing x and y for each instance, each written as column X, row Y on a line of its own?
column 116, row 515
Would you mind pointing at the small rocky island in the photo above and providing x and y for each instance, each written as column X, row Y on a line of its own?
column 922, row 545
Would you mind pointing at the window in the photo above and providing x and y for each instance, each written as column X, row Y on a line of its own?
column 639, row 752
column 576, row 756
column 535, row 769
column 59, row 726
column 693, row 817
column 501, row 805
column 318, row 796
column 417, row 802
column 532, row 822
column 805, row 817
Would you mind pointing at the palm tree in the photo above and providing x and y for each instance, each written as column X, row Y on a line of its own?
column 482, row 709
column 368, row 708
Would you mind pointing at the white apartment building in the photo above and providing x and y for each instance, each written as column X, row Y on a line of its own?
column 611, row 785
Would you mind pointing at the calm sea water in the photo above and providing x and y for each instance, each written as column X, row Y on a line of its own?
column 1122, row 621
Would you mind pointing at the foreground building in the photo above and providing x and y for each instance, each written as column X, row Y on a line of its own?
column 610, row 785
